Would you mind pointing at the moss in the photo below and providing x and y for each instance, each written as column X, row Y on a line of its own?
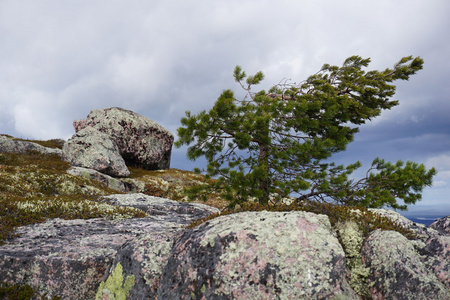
column 20, row 292
column 115, row 287
column 16, row 291
column 35, row 187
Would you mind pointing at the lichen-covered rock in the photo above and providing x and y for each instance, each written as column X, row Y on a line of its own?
column 397, row 270
column 11, row 145
column 66, row 258
column 141, row 141
column 111, row 182
column 162, row 208
column 116, row 286
column 442, row 225
column 257, row 255
column 69, row 258
column 419, row 229
column 143, row 259
column 438, row 257
column 121, row 185
column 90, row 148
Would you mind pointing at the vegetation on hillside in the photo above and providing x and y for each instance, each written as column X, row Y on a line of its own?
column 35, row 187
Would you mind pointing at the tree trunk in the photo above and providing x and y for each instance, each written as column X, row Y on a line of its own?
column 264, row 181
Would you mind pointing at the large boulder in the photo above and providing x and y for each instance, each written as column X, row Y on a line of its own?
column 397, row 270
column 140, row 140
column 257, row 255
column 8, row 144
column 90, row 148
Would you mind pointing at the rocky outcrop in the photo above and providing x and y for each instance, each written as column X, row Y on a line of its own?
column 140, row 140
column 90, row 148
column 70, row 258
column 249, row 255
column 8, row 144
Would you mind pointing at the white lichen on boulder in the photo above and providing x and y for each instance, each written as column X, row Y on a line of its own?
column 352, row 240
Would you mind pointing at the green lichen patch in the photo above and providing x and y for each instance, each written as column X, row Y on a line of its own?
column 115, row 287
column 35, row 186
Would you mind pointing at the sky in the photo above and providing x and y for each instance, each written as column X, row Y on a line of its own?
column 60, row 59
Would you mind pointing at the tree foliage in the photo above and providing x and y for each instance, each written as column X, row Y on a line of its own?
column 270, row 145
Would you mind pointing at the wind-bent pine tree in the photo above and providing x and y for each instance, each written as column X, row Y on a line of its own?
column 273, row 144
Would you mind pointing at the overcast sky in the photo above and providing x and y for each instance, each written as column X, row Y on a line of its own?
column 59, row 59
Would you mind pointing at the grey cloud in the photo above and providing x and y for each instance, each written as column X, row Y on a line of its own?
column 60, row 59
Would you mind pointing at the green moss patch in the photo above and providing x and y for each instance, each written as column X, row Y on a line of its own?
column 20, row 292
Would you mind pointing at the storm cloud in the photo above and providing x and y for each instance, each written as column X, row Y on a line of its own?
column 60, row 59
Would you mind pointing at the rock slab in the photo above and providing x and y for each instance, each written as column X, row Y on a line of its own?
column 8, row 144
column 249, row 255
column 69, row 258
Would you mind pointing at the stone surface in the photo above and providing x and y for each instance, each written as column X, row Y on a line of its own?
column 249, row 255
column 257, row 255
column 437, row 251
column 140, row 140
column 11, row 145
column 397, row 271
column 144, row 259
column 121, row 185
column 419, row 229
column 90, row 148
column 161, row 207
column 70, row 258
column 442, row 225
column 126, row 185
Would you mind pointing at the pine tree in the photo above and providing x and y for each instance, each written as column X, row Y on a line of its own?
column 273, row 144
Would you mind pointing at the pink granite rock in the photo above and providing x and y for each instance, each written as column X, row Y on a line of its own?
column 140, row 140
column 257, row 255
column 70, row 258
column 438, row 257
column 442, row 225
column 397, row 271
